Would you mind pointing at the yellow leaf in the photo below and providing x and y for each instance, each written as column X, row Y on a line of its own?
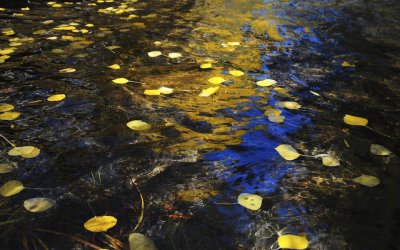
column 56, row 98
column 206, row 66
column 113, row 47
column 138, row 125
column 216, row 80
column 48, row 22
column 6, row 51
column 250, row 201
column 64, row 27
column 114, row 66
column 166, row 90
column 347, row 64
column 25, row 151
column 355, row 120
column 152, row 92
column 271, row 111
column 139, row 241
column 367, row 180
column 209, row 91
column 39, row 204
column 233, row 43
column 9, row 116
column 7, row 168
column 6, row 107
column 288, row 105
column 266, row 83
column 276, row 118
column 377, row 149
column 154, row 53
column 32, row 154
column 195, row 195
column 287, row 152
column 11, row 187
column 290, row 241
column 100, row 223
column 67, row 70
column 120, row 80
column 330, row 161
column 174, row 55
column 236, row 72
column 57, row 5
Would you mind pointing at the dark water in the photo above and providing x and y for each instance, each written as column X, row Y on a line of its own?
column 332, row 57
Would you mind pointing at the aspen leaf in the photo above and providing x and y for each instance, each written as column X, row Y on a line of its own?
column 7, row 168
column 216, row 80
column 266, row 83
column 114, row 66
column 377, row 149
column 100, row 223
column 11, row 188
column 6, row 107
column 271, row 111
column 32, row 154
column 288, row 105
column 174, row 55
column 21, row 150
column 287, row 152
column 38, row 204
column 206, row 66
column 367, row 180
column 290, row 241
column 347, row 64
column 6, row 51
column 138, row 125
column 233, row 43
column 154, row 53
column 330, row 161
column 56, row 98
column 113, row 47
column 166, row 90
column 9, row 116
column 209, row 91
column 195, row 195
column 355, row 120
column 120, row 80
column 276, row 118
column 67, row 70
column 250, row 201
column 236, row 72
column 139, row 241
column 152, row 92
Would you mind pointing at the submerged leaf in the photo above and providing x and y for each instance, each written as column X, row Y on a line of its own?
column 290, row 241
column 287, row 152
column 39, row 204
column 154, row 53
column 206, row 66
column 6, row 107
column 209, row 91
column 9, row 116
column 266, row 83
column 138, row 125
column 236, row 72
column 7, row 168
column 21, row 150
column 67, row 70
column 276, row 118
column 120, row 80
column 56, row 98
column 250, row 201
column 174, row 55
column 330, row 161
column 195, row 195
column 367, row 180
column 288, row 105
column 152, row 92
column 140, row 242
column 114, row 66
column 216, row 80
column 377, row 149
column 166, row 90
column 11, row 188
column 355, row 120
column 100, row 223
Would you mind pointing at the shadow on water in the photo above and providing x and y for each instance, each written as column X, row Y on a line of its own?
column 331, row 57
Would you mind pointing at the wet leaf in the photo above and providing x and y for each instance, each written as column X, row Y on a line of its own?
column 114, row 66
column 377, row 149
column 290, row 241
column 152, row 92
column 330, row 161
column 138, row 125
column 209, row 91
column 236, row 72
column 347, row 64
column 276, row 118
column 367, row 180
column 272, row 111
column 206, row 66
column 38, row 204
column 11, row 188
column 113, row 47
column 100, row 223
column 6, row 107
column 233, row 43
column 174, row 55
column 154, row 53
column 288, row 105
column 250, row 201
column 7, row 168
column 195, row 195
column 266, row 83
column 120, row 80
column 216, row 80
column 32, row 154
column 67, row 70
column 9, row 116
column 21, row 150
column 140, row 242
column 287, row 152
column 355, row 120
column 6, row 51
column 56, row 98
column 166, row 90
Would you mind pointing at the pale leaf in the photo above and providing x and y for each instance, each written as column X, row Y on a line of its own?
column 287, row 152
column 38, row 204
column 250, row 201
column 100, row 223
column 290, row 241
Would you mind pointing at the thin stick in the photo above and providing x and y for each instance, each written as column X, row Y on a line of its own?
column 379, row 132
column 12, row 144
column 140, row 219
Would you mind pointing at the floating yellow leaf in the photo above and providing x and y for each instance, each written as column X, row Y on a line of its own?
column 377, row 149
column 113, row 47
column 11, row 188
column 266, row 83
column 174, row 55
column 139, row 241
column 271, row 111
column 56, row 98
column 100, row 223
column 250, row 201
column 287, row 152
column 32, row 154
column 67, row 70
column 288, row 105
column 6, row 51
column 9, row 116
column 195, row 195
column 367, row 180
column 7, row 168
column 276, row 118
column 6, row 107
column 48, row 22
column 166, row 90
column 64, row 27
column 355, row 120
column 330, row 161
column 236, row 72
column 152, row 92
column 114, row 66
column 209, row 91
column 138, row 125
column 205, row 65
column 38, row 204
column 233, row 43
column 347, row 64
column 154, row 53
column 216, row 80
column 290, row 241
column 120, row 81
column 25, row 151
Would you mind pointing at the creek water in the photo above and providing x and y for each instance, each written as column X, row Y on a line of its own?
column 332, row 57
